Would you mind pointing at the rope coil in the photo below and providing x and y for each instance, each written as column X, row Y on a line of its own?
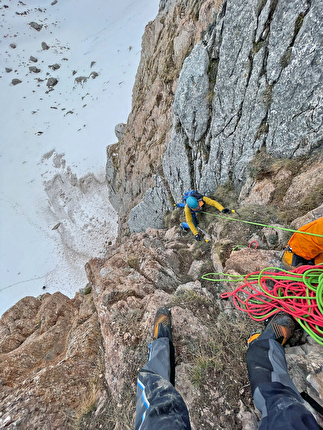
column 264, row 293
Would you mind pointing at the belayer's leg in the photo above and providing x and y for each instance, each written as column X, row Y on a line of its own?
column 159, row 405
column 274, row 393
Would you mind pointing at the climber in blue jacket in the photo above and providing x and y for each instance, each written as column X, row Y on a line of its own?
column 161, row 407
column 192, row 203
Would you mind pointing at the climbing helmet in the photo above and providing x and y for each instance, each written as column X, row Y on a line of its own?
column 192, row 202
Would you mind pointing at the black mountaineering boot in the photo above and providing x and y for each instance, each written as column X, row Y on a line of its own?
column 163, row 328
column 162, row 324
column 280, row 327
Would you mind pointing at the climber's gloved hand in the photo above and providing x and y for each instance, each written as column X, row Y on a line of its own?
column 197, row 237
column 225, row 211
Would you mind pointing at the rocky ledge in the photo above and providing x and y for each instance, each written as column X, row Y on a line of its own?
column 73, row 363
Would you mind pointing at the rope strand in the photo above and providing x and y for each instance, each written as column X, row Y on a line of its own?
column 264, row 293
column 262, row 225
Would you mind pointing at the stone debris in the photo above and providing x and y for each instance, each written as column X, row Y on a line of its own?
column 16, row 81
column 51, row 82
column 34, row 69
column 44, row 46
column 36, row 26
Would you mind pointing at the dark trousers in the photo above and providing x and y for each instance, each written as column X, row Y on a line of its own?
column 275, row 395
column 161, row 407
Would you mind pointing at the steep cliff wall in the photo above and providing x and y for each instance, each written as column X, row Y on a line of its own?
column 252, row 82
column 133, row 162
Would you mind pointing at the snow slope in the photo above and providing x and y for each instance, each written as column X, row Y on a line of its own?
column 55, row 213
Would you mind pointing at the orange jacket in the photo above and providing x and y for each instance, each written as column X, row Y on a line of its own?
column 307, row 246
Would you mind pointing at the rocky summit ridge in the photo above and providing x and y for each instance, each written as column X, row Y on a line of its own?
column 227, row 100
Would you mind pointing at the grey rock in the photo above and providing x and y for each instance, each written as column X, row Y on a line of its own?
column 54, row 66
column 8, row 70
column 54, row 2
column 177, row 165
column 44, row 46
column 166, row 5
column 191, row 106
column 81, row 79
column 282, row 32
column 295, row 115
column 33, row 59
column 13, row 45
column 34, row 69
column 263, row 21
column 266, row 89
column 111, row 173
column 196, row 269
column 36, row 26
column 16, row 81
column 51, row 82
column 149, row 212
column 162, row 4
column 119, row 130
column 194, row 287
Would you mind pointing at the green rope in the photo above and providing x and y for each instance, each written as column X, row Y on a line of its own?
column 312, row 279
column 238, row 246
column 262, row 225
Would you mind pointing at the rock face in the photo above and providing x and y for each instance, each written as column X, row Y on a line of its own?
column 253, row 81
column 150, row 211
column 119, row 130
column 45, row 380
column 133, row 162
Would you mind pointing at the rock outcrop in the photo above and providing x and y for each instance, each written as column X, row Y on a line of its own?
column 150, row 211
column 252, row 82
column 137, row 158
column 51, row 362
column 73, row 363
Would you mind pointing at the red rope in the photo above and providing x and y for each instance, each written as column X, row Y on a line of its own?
column 267, row 292
column 254, row 241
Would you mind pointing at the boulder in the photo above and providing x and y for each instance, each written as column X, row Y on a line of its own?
column 34, row 69
column 36, row 26
column 44, row 46
column 51, row 82
column 120, row 130
column 16, row 81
